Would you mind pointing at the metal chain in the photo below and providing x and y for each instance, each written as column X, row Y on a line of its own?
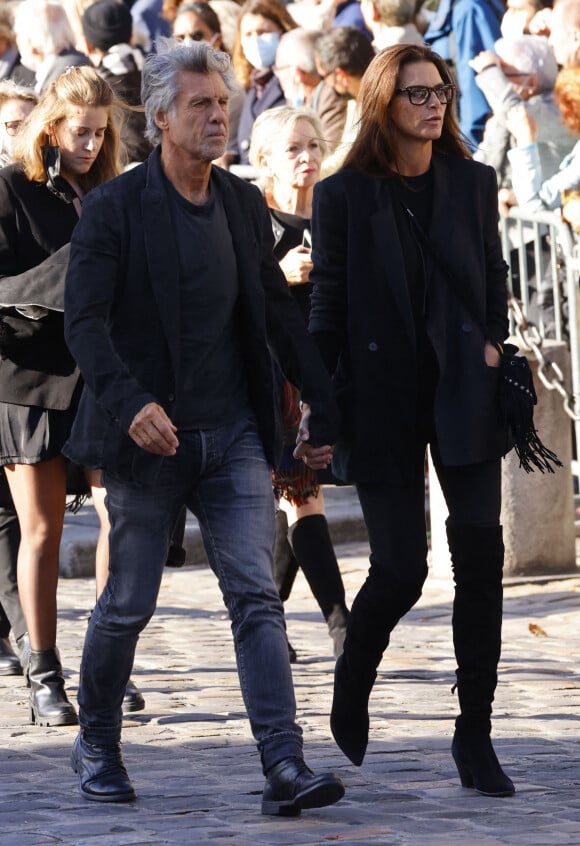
column 529, row 335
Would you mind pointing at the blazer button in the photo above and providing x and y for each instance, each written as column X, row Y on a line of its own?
column 467, row 328
column 373, row 347
column 171, row 397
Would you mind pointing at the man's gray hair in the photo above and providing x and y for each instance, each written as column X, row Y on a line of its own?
column 160, row 79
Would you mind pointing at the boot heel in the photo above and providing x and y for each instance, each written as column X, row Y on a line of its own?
column 464, row 774
column 478, row 766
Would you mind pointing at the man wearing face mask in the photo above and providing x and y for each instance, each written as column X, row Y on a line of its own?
column 303, row 85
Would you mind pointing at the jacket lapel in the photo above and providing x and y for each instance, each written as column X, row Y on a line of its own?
column 161, row 251
column 451, row 253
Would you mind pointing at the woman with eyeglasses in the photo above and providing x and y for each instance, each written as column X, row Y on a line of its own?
column 68, row 144
column 409, row 311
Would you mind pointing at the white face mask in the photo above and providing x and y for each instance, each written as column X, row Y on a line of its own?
column 260, row 50
column 513, row 24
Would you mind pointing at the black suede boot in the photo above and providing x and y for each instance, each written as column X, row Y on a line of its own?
column 49, row 705
column 315, row 554
column 378, row 607
column 477, row 557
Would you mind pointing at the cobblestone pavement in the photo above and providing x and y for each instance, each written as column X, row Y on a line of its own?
column 197, row 772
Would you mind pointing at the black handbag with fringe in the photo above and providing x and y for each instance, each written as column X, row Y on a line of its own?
column 517, row 398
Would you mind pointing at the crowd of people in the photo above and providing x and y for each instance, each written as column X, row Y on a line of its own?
column 173, row 336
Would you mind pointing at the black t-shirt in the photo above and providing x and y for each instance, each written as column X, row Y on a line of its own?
column 212, row 387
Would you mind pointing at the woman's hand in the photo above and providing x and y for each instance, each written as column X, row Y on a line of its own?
column 296, row 265
column 492, row 356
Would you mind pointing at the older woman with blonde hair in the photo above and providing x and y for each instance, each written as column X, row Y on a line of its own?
column 67, row 145
column 287, row 151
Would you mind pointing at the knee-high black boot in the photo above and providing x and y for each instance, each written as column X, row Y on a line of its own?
column 315, row 554
column 49, row 705
column 285, row 566
column 477, row 555
column 376, row 610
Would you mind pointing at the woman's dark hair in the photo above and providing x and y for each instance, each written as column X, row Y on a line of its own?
column 375, row 149
column 203, row 11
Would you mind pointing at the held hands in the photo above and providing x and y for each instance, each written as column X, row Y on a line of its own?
column 153, row 431
column 296, row 265
column 317, row 458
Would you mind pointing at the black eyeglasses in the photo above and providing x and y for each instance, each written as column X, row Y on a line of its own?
column 12, row 127
column 419, row 94
column 196, row 35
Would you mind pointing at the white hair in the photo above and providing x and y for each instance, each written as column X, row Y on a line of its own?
column 45, row 24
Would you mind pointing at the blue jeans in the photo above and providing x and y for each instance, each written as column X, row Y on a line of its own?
column 223, row 477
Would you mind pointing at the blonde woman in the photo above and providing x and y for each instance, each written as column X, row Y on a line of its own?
column 68, row 145
column 287, row 151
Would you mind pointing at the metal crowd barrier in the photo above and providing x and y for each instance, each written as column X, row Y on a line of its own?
column 544, row 259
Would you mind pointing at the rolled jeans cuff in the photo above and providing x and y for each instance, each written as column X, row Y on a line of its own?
column 277, row 747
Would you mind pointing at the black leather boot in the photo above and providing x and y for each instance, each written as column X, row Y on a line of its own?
column 101, row 771
column 291, row 786
column 477, row 555
column 49, row 705
column 23, row 646
column 133, row 699
column 9, row 662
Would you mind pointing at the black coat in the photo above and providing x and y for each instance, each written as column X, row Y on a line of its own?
column 122, row 319
column 36, row 367
column 361, row 298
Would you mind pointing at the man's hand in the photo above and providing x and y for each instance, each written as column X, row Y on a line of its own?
column 317, row 458
column 153, row 431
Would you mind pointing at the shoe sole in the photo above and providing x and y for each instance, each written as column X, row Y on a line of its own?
column 11, row 671
column 317, row 797
column 66, row 720
column 134, row 706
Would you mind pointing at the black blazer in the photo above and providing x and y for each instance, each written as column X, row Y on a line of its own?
column 361, row 313
column 122, row 319
column 36, row 367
